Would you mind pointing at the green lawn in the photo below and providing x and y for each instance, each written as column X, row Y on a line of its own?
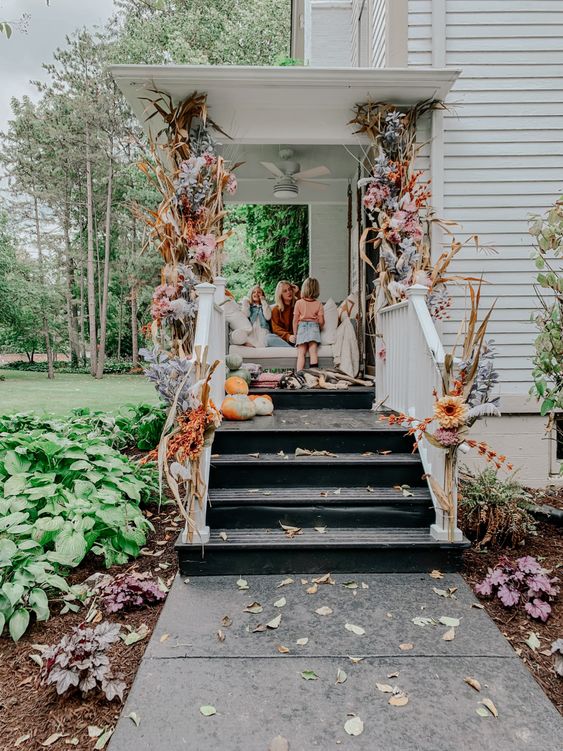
column 22, row 392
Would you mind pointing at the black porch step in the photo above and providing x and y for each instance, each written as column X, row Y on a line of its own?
column 288, row 470
column 271, row 551
column 354, row 397
column 311, row 507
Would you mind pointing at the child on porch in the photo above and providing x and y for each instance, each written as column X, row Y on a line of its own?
column 308, row 320
column 256, row 308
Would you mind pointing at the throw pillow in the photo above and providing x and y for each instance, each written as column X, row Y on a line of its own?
column 328, row 332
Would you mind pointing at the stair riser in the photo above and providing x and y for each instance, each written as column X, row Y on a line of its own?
column 340, row 441
column 255, row 475
column 337, row 560
column 289, row 399
column 236, row 517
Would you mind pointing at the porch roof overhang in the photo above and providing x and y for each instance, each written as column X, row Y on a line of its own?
column 281, row 105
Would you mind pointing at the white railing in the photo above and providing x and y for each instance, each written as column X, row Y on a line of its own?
column 209, row 338
column 409, row 367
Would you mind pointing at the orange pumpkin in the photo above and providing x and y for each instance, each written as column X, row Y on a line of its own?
column 236, row 385
column 260, row 396
column 263, row 404
column 238, row 407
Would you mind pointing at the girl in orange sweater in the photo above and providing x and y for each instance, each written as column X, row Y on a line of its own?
column 308, row 320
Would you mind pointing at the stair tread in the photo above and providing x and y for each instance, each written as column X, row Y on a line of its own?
column 317, row 496
column 340, row 458
column 325, row 420
column 335, row 537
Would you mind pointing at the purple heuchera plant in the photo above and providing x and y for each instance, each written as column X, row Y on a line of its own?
column 80, row 661
column 523, row 581
column 130, row 591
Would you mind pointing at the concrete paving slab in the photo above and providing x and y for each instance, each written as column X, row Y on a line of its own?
column 385, row 610
column 257, row 699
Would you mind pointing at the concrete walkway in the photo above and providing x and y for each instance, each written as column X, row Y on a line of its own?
column 260, row 693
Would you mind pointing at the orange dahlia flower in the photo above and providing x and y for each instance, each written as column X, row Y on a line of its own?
column 451, row 411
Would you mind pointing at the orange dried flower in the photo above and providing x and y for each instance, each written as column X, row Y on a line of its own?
column 451, row 411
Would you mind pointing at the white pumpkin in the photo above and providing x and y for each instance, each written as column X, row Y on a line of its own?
column 264, row 405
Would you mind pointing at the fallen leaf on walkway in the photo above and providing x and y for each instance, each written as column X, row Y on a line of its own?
column 369, row 489
column 103, row 739
column 291, row 531
column 341, row 676
column 393, row 675
column 226, row 621
column 309, row 675
column 259, row 628
column 367, row 453
column 385, row 453
column 312, row 590
column 477, row 605
column 473, row 682
column 280, row 603
column 242, row 584
column 281, row 649
column 313, row 452
column 451, row 622
column 398, row 700
column 385, row 688
column 253, row 608
column 164, row 637
column 207, row 710
column 255, row 455
column 365, row 586
column 490, row 706
column 354, row 726
column 253, row 490
column 358, row 630
column 275, row 622
column 421, row 621
column 325, row 610
column 350, row 585
column 320, row 530
column 449, row 635
column 53, row 739
column 325, row 579
column 223, row 535
column 435, row 574
column 302, row 641
column 406, row 647
column 134, row 717
column 338, row 491
column 355, row 660
column 279, row 743
column 532, row 641
column 284, row 583
column 220, row 635
column 323, row 494
column 282, row 454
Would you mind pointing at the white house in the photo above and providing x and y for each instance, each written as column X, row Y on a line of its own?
column 494, row 156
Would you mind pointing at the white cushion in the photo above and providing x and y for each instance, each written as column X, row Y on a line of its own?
column 235, row 317
column 328, row 331
column 273, row 353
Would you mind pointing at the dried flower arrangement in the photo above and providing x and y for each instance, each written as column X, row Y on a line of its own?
column 467, row 385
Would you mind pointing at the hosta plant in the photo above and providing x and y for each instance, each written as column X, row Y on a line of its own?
column 129, row 591
column 521, row 582
column 79, row 661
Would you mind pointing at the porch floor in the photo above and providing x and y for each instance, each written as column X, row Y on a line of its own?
column 259, row 693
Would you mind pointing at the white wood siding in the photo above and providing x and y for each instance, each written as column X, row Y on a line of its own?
column 378, row 20
column 503, row 151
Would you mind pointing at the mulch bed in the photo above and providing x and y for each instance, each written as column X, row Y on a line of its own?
column 515, row 624
column 27, row 708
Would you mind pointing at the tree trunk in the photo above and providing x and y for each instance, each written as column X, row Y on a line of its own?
column 134, row 327
column 104, row 310
column 45, row 322
column 120, row 322
column 90, row 266
column 71, row 306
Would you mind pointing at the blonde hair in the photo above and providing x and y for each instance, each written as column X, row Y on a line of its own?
column 253, row 290
column 311, row 288
column 278, row 293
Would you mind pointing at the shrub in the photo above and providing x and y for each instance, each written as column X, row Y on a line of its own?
column 80, row 661
column 111, row 367
column 521, row 582
column 494, row 511
column 130, row 591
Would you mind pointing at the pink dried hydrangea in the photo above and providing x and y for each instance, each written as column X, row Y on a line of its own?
column 204, row 247
column 232, row 184
column 448, row 437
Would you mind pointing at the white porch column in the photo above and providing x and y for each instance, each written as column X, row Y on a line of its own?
column 328, row 249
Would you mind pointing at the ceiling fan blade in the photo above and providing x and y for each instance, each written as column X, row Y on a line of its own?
column 273, row 168
column 313, row 172
column 314, row 184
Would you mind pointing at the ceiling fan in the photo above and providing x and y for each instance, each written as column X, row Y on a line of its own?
column 288, row 174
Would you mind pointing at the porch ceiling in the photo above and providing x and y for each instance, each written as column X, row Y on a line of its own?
column 278, row 105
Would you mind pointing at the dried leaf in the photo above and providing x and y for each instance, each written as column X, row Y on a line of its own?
column 164, row 637
column 358, row 630
column 532, row 641
column 435, row 574
column 255, row 455
column 477, row 605
column 309, row 675
column 242, row 584
column 280, row 603
column 473, row 682
column 482, row 712
column 253, row 608
column 259, row 628
column 422, row 621
column 393, row 675
column 208, row 710
column 304, row 581
column 72, row 742
column 284, row 583
column 365, row 586
column 398, row 700
column 325, row 610
column 282, row 650
column 275, row 622
column 350, row 585
column 134, row 636
column 134, row 717
column 223, row 535
column 406, row 647
column 341, row 676
column 94, row 731
column 226, row 621
column 338, row 491
column 449, row 635
column 325, row 579
column 355, row 660
column 354, row 726
column 103, row 739
column 279, row 743
column 490, row 706
column 22, row 739
column 312, row 590
column 385, row 688
column 302, row 641
column 320, row 530
column 451, row 622
column 291, row 532
column 440, row 592
column 220, row 635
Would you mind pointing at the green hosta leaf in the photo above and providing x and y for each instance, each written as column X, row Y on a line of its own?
column 15, row 484
column 13, row 592
column 18, row 623
column 112, row 516
column 39, row 604
column 2, row 622
column 12, row 519
column 43, row 491
column 71, row 545
column 83, row 488
column 8, row 550
column 6, row 606
column 15, row 464
column 80, row 465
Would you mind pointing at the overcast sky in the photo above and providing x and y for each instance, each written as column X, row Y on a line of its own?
column 21, row 56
